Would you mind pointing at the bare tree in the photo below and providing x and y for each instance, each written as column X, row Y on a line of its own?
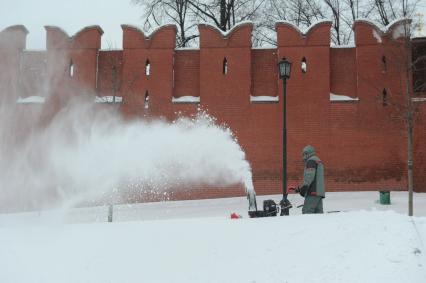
column 111, row 69
column 406, row 65
column 226, row 13
column 265, row 13
column 386, row 11
column 304, row 13
column 389, row 11
column 335, row 9
column 345, row 13
column 186, row 14
column 301, row 13
column 159, row 12
column 400, row 102
column 220, row 12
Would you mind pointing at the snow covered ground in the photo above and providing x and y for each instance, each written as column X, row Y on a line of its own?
column 196, row 241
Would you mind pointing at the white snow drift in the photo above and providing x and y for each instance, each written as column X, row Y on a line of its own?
column 341, row 247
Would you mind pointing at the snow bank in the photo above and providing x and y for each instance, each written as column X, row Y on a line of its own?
column 349, row 45
column 264, row 98
column 341, row 247
column 418, row 99
column 186, row 99
column 335, row 97
column 31, row 99
column 108, row 99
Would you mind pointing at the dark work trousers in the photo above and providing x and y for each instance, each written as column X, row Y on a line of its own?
column 312, row 204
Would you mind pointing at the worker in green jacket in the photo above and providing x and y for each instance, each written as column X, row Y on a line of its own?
column 313, row 188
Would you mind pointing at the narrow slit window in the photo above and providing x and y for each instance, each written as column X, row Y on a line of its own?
column 384, row 98
column 225, row 66
column 146, row 100
column 384, row 67
column 71, row 69
column 304, row 65
column 147, row 68
column 173, row 80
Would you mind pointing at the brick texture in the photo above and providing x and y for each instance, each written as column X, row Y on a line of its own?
column 362, row 142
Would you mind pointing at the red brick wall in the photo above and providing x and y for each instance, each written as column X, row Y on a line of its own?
column 110, row 68
column 12, row 42
column 81, row 50
column 264, row 72
column 419, row 72
column 362, row 143
column 420, row 149
column 308, row 93
column 343, row 77
column 158, row 50
column 186, row 73
column 33, row 73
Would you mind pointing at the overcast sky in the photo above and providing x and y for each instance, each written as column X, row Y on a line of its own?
column 70, row 15
column 73, row 15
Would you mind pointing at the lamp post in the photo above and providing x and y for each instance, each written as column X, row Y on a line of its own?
column 284, row 68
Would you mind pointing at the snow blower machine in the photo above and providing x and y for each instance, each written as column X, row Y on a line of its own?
column 270, row 207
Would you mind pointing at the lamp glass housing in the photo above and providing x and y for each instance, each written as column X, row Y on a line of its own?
column 284, row 67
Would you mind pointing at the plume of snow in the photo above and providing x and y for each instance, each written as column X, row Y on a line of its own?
column 86, row 155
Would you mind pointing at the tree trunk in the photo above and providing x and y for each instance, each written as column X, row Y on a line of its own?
column 410, row 124
column 223, row 17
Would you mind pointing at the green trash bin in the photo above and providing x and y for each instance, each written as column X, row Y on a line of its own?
column 384, row 197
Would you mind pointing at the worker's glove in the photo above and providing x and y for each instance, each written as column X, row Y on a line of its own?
column 302, row 190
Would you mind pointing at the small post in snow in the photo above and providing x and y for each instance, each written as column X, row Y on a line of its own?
column 110, row 211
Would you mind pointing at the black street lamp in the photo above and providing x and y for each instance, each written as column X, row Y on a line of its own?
column 284, row 68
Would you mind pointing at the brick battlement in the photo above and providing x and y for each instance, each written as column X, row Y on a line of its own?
column 358, row 137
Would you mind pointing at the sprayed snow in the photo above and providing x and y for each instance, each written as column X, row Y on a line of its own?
column 108, row 99
column 186, row 99
column 264, row 98
column 87, row 156
column 336, row 97
column 31, row 99
column 97, row 70
column 378, row 246
column 58, row 29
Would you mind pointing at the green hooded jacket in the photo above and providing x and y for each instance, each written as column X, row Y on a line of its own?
column 313, row 173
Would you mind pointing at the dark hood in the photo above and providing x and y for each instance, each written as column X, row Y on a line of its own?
column 308, row 152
